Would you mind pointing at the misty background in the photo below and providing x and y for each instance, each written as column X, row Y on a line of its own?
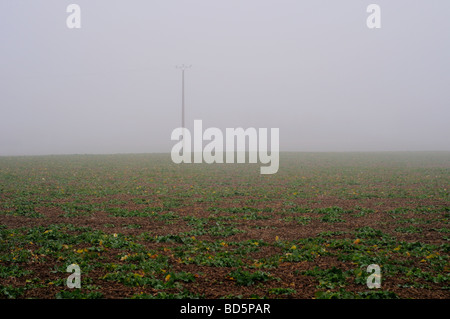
column 311, row 68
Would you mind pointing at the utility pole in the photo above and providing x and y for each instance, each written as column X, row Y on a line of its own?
column 182, row 68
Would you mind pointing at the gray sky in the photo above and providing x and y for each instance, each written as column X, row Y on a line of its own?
column 311, row 68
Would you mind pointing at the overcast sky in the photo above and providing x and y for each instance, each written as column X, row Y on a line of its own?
column 311, row 68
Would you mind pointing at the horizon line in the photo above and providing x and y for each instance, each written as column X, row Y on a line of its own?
column 168, row 153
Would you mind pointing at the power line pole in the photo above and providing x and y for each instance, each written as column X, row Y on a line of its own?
column 182, row 68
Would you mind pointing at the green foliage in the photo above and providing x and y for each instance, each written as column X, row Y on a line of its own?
column 328, row 278
column 185, row 294
column 246, row 278
column 152, row 223
column 342, row 294
column 409, row 230
column 282, row 291
column 13, row 271
column 78, row 294
column 11, row 292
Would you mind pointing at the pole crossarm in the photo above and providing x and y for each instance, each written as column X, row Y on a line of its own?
column 183, row 66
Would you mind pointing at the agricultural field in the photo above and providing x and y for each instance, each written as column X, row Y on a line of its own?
column 139, row 226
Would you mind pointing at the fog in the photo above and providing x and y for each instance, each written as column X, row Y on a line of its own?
column 311, row 68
